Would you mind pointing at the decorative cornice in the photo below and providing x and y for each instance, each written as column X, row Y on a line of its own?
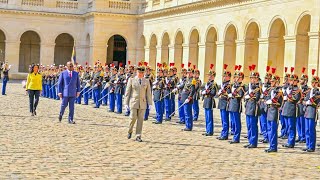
column 195, row 6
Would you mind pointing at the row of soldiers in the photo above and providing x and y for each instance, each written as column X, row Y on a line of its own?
column 293, row 102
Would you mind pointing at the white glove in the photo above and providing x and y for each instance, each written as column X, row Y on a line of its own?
column 9, row 66
column 126, row 107
column 154, row 86
column 311, row 92
column 285, row 98
column 230, row 95
column 186, row 101
column 204, row 92
column 107, row 85
column 250, row 90
column 308, row 102
column 288, row 91
column 116, row 82
column 233, row 88
column 247, row 96
column 154, row 83
column 220, row 91
column 125, row 81
column 96, row 85
column 261, row 96
column 263, row 88
column 174, row 90
column 150, row 107
column 269, row 101
column 272, row 94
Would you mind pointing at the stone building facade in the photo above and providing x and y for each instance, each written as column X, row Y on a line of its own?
column 234, row 32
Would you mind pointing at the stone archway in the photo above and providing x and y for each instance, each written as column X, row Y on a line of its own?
column 211, row 50
column 165, row 48
column 117, row 50
column 194, row 47
column 2, row 46
column 178, row 51
column 276, row 46
column 29, row 50
column 251, row 52
column 302, row 44
column 229, row 56
column 63, row 49
column 153, row 51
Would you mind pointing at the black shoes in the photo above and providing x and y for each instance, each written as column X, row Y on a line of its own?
column 60, row 118
column 72, row 122
column 167, row 119
column 263, row 141
column 207, row 134
column 129, row 135
column 32, row 114
column 222, row 138
column 252, row 146
column 157, row 122
column 234, row 142
column 270, row 150
column 186, row 129
column 308, row 150
column 35, row 112
column 138, row 139
column 110, row 111
column 288, row 146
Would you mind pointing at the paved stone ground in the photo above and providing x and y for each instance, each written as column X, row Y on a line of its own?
column 97, row 148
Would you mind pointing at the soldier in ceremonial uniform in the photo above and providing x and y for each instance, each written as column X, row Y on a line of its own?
column 170, row 85
column 111, row 86
column 97, row 85
column 273, row 102
column 290, row 110
column 148, row 76
column 284, row 124
column 119, row 89
column 129, row 74
column 179, row 88
column 209, row 103
column 157, row 89
column 187, row 99
column 224, row 90
column 301, row 107
column 196, row 96
column 86, row 83
column 106, row 79
column 252, row 108
column 262, row 105
column 176, row 80
column 235, row 105
column 312, row 100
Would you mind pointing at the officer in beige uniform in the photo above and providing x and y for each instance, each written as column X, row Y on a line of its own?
column 137, row 96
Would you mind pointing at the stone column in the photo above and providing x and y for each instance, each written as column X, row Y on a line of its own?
column 146, row 55
column 290, row 51
column 99, row 52
column 240, row 52
column 165, row 54
column 314, row 55
column 171, row 55
column 47, row 54
column 263, row 57
column 185, row 55
column 131, row 54
column 210, row 58
column 12, row 55
column 158, row 57
column 219, row 61
column 201, row 60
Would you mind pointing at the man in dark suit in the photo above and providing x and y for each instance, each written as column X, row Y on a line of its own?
column 69, row 90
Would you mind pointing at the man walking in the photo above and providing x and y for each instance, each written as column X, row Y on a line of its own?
column 137, row 97
column 69, row 89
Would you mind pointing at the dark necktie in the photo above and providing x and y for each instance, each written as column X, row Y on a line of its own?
column 70, row 74
column 140, row 81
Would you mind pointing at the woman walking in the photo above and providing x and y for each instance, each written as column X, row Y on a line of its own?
column 34, row 87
